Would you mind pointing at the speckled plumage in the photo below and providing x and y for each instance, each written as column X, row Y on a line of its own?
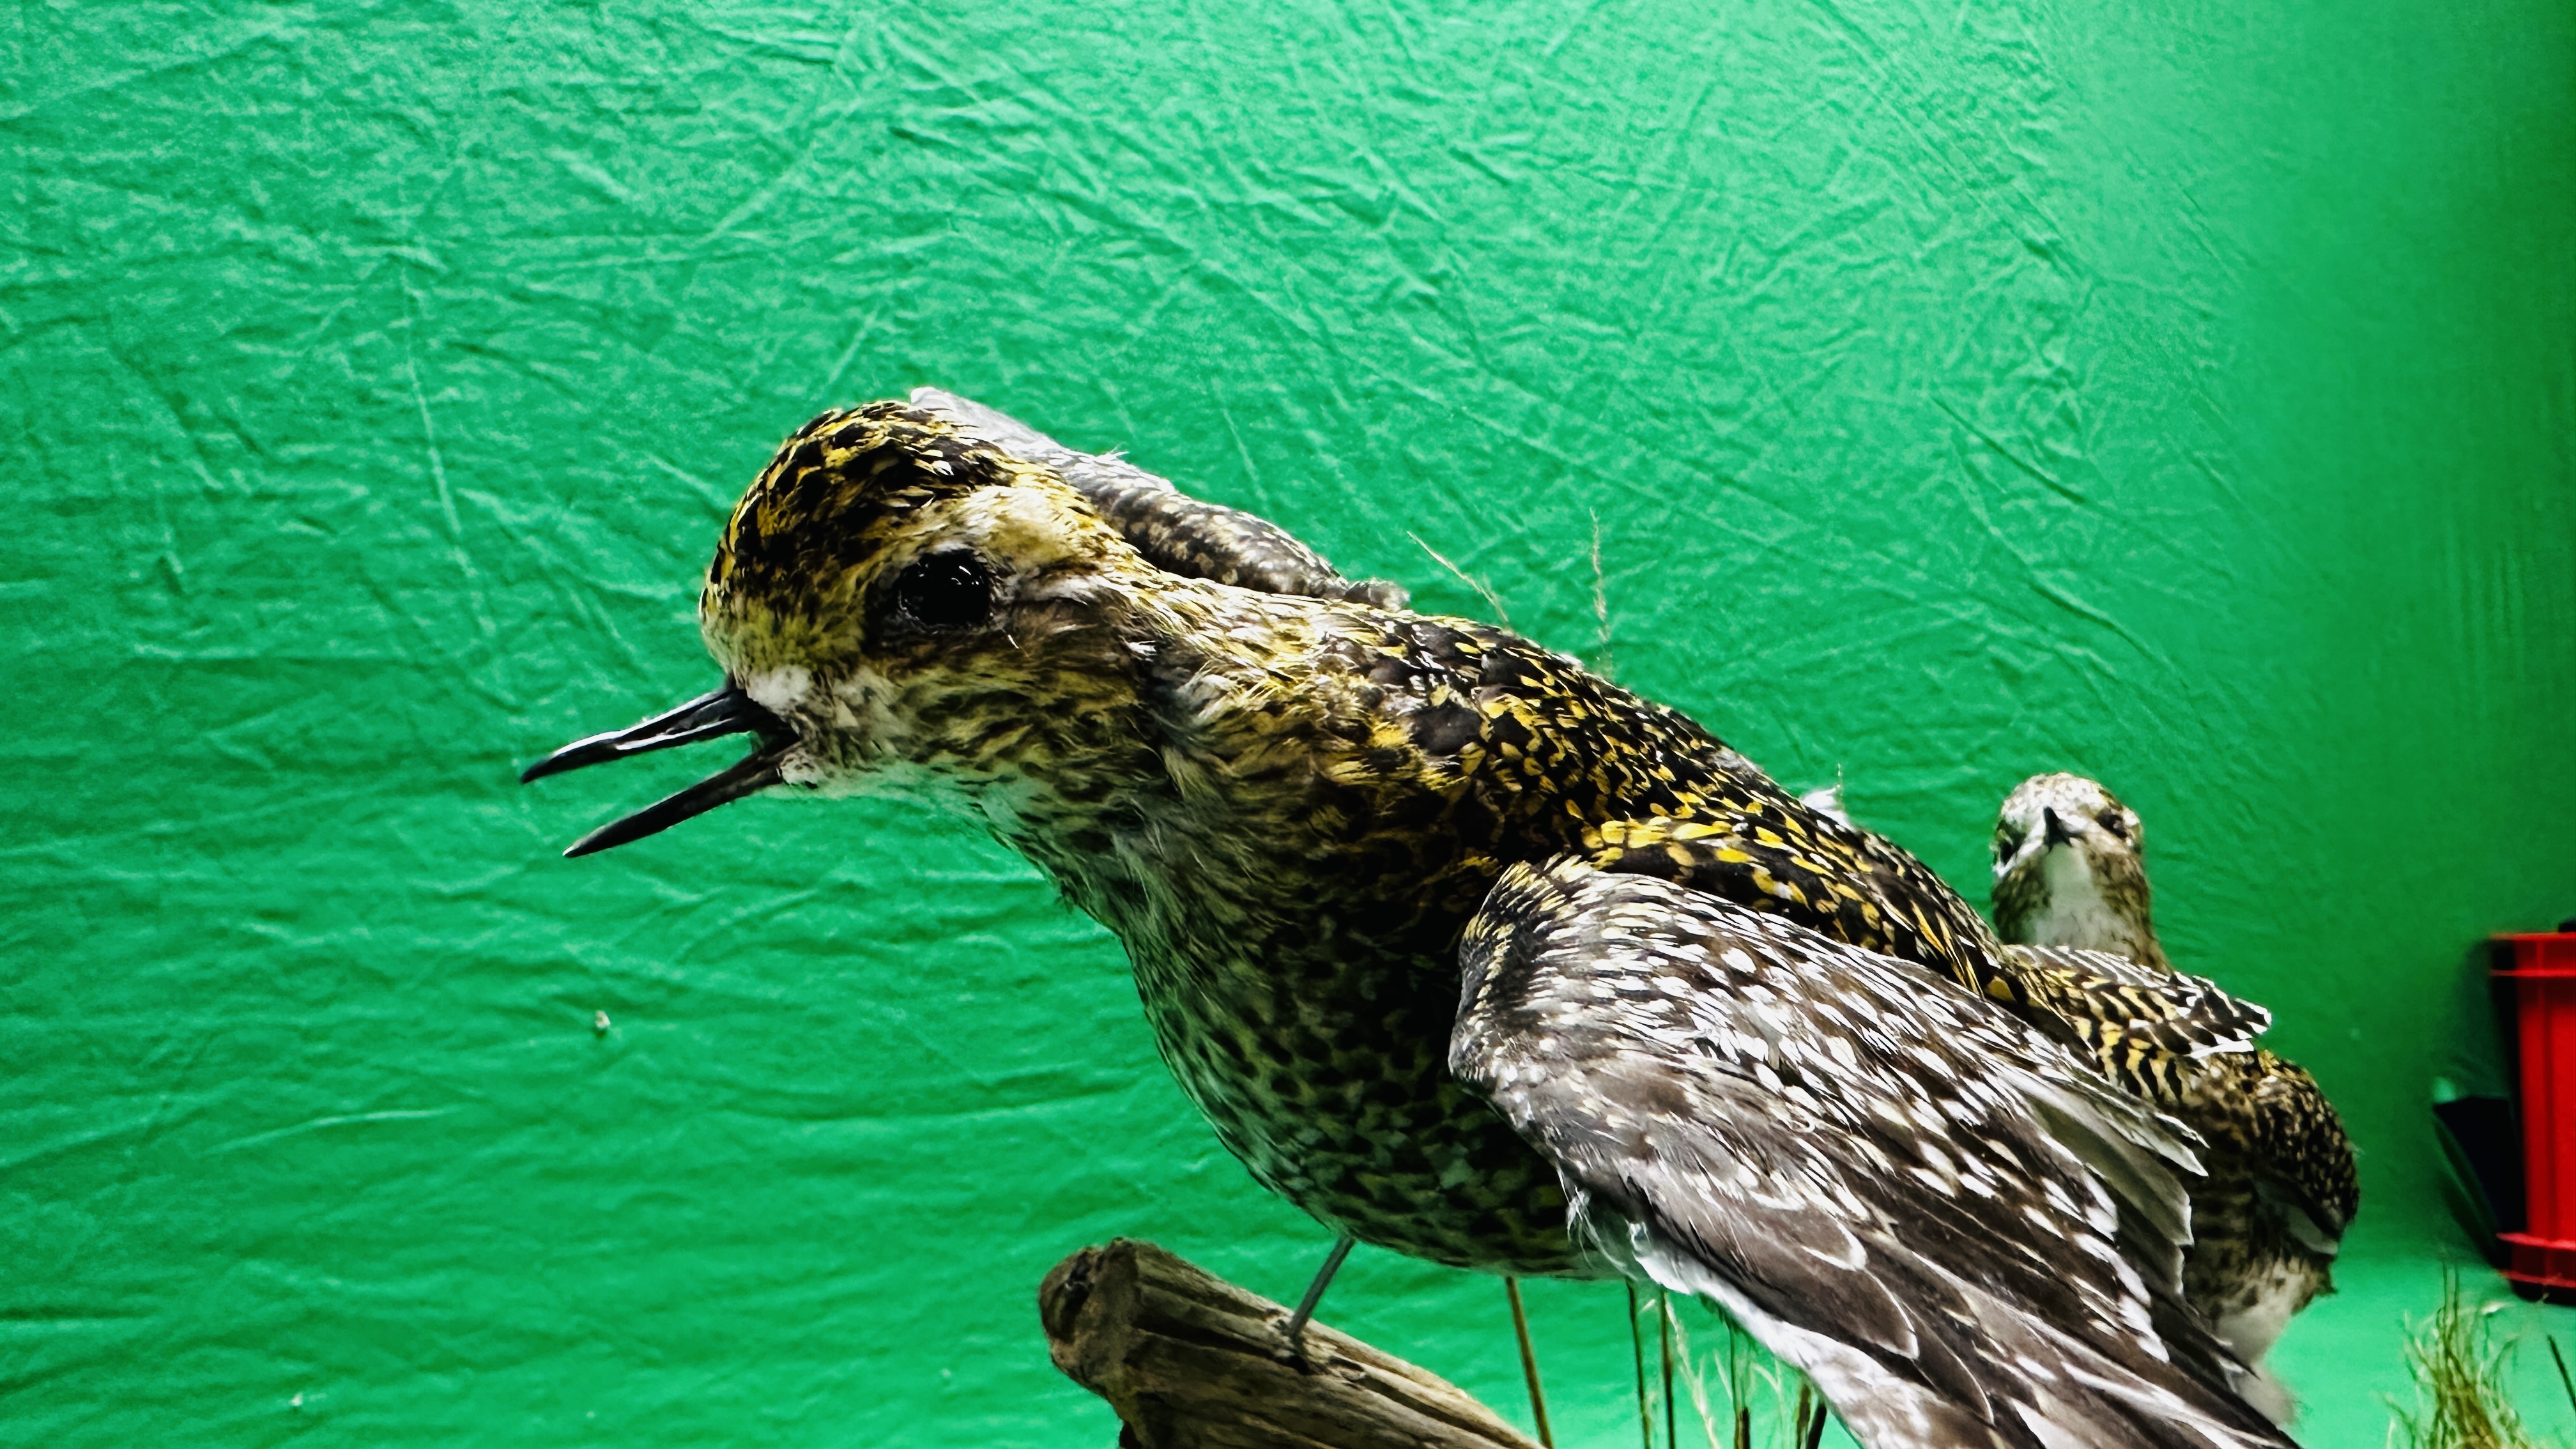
column 1175, row 532
column 1825, row 1140
column 1289, row 804
column 2280, row 1189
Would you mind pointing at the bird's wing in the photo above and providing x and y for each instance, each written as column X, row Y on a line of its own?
column 2306, row 1168
column 2184, row 1043
column 1965, row 1237
column 1175, row 532
column 2115, row 1005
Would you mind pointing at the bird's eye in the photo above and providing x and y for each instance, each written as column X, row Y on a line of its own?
column 2007, row 840
column 2112, row 822
column 946, row 591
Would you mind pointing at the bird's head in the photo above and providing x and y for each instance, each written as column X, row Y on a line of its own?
column 2063, row 812
column 2070, row 865
column 895, row 597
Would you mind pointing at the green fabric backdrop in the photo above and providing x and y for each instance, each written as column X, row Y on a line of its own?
column 2182, row 395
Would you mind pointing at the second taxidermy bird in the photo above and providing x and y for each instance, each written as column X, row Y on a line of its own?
column 1464, row 950
column 2269, row 1216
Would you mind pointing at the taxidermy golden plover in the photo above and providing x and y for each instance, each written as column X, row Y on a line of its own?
column 2267, row 1219
column 1468, row 952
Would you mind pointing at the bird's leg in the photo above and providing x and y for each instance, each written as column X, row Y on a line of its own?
column 1296, row 1331
column 1529, row 1362
column 1637, row 1352
column 1664, row 1343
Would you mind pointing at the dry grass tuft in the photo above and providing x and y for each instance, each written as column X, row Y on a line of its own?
column 1740, row 1396
column 2459, row 1382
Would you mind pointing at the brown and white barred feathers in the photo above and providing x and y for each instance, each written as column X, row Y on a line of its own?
column 2070, row 871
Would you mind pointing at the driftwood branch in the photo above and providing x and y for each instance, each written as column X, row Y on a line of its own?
column 1190, row 1361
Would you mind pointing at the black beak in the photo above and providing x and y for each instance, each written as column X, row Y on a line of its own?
column 2058, row 834
column 727, row 711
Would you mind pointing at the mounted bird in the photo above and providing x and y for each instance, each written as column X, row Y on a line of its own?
column 1463, row 950
column 2280, row 1186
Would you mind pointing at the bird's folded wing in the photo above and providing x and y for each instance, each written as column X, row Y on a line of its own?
column 2110, row 1002
column 1175, row 532
column 1961, row 1233
column 2182, row 1038
column 2306, row 1165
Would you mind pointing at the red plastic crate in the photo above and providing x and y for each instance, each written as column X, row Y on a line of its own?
column 2542, row 968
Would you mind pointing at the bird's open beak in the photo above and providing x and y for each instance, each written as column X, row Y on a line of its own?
column 2058, row 834
column 727, row 711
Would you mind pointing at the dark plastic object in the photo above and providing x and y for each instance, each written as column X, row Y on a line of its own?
column 2542, row 971
column 2483, row 1146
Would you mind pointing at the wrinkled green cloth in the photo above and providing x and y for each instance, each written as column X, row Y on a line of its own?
column 2180, row 397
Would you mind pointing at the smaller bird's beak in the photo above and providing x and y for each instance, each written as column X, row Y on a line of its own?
column 2058, row 834
column 727, row 711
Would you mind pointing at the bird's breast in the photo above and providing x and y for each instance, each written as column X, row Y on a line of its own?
column 1301, row 979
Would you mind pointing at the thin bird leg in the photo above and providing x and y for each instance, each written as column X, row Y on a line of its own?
column 1637, row 1353
column 1664, row 1343
column 1529, row 1362
column 1739, row 1386
column 1296, row 1331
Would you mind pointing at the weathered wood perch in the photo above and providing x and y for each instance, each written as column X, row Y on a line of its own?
column 1190, row 1361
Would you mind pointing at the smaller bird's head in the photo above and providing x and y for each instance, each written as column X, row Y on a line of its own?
column 2070, row 868
column 2063, row 812
column 893, row 592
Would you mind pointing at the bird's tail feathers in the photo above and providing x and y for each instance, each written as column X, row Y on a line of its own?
column 2135, row 1151
column 2086, row 1400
